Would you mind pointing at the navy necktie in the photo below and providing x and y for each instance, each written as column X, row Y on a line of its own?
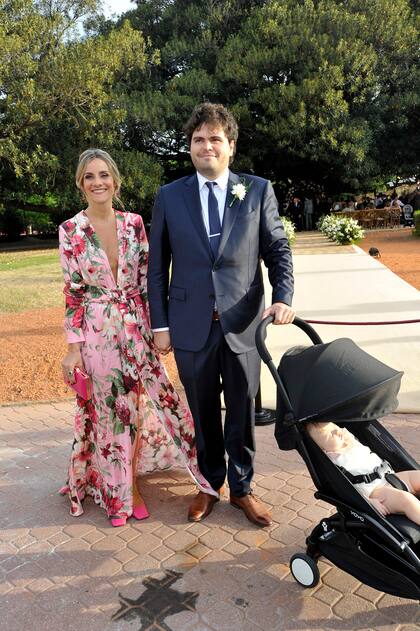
column 214, row 219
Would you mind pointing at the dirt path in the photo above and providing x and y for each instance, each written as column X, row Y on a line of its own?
column 399, row 251
column 32, row 342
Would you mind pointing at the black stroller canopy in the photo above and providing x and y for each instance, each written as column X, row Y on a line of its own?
column 338, row 381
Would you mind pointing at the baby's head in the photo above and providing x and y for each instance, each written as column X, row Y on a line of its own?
column 322, row 434
column 318, row 429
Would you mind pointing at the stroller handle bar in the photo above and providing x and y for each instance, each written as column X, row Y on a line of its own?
column 261, row 334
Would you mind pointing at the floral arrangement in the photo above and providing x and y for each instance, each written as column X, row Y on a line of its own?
column 342, row 230
column 289, row 228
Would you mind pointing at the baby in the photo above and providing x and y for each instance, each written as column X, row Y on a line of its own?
column 346, row 451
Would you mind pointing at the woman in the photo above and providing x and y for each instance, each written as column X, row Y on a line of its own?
column 135, row 421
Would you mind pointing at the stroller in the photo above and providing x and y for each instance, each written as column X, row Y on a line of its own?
column 339, row 382
column 408, row 215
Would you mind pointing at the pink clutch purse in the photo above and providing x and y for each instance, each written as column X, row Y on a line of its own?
column 82, row 384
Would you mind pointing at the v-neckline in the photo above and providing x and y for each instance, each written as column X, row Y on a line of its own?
column 115, row 279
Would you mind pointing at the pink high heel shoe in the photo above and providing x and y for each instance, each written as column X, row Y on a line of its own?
column 118, row 521
column 140, row 512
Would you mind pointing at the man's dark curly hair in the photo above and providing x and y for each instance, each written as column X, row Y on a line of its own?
column 214, row 114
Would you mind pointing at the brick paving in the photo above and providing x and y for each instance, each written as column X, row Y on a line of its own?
column 62, row 573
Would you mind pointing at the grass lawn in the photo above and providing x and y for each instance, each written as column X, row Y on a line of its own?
column 30, row 280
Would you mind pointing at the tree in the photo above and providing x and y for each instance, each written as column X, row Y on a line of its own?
column 326, row 91
column 320, row 83
column 189, row 37
column 58, row 92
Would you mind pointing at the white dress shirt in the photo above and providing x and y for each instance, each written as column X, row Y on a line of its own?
column 220, row 192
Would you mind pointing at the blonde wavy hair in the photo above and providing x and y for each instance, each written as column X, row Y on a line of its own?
column 89, row 155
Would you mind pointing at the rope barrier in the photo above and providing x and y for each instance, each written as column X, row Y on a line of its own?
column 363, row 323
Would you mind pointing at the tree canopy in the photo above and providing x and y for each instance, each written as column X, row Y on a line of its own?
column 326, row 91
column 62, row 92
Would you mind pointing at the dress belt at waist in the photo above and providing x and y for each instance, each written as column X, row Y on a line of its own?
column 117, row 295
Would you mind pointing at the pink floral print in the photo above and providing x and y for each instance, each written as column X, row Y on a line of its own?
column 135, row 417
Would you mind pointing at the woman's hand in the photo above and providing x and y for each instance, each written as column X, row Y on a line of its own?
column 162, row 340
column 71, row 360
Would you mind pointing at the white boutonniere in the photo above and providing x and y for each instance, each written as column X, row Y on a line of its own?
column 238, row 191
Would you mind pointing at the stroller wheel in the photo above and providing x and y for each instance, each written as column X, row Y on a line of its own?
column 304, row 570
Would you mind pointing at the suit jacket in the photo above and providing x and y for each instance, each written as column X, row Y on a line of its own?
column 185, row 281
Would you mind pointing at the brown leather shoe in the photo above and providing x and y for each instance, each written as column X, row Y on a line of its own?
column 201, row 506
column 253, row 508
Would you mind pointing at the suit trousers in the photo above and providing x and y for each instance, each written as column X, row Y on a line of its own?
column 204, row 375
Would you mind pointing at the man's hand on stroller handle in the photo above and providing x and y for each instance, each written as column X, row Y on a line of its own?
column 282, row 313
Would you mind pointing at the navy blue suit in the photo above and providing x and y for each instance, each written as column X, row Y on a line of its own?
column 184, row 283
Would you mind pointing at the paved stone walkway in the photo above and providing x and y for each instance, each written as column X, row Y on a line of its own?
column 62, row 573
column 58, row 572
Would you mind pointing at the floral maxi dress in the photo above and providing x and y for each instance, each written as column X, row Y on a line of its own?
column 135, row 422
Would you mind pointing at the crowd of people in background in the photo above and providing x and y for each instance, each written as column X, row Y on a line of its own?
column 305, row 210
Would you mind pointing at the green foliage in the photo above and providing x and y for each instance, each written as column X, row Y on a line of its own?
column 140, row 177
column 38, row 221
column 319, row 82
column 49, row 199
column 11, row 224
column 62, row 93
column 326, row 91
column 416, row 230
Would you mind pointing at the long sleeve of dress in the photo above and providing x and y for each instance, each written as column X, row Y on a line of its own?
column 142, row 267
column 73, row 289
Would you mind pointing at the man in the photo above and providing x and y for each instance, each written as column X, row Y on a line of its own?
column 212, row 228
column 296, row 212
column 308, row 211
